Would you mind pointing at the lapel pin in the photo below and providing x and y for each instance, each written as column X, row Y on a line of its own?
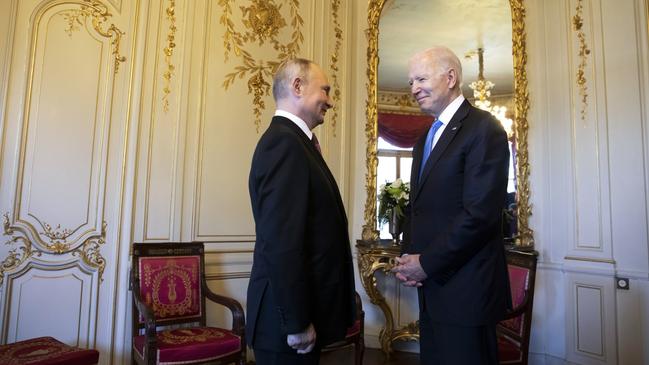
column 454, row 128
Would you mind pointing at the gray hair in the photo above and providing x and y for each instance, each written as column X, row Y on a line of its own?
column 443, row 59
column 288, row 71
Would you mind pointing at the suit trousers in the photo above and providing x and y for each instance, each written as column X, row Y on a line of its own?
column 445, row 344
column 264, row 357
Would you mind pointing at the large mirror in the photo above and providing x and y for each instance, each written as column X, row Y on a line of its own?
column 489, row 38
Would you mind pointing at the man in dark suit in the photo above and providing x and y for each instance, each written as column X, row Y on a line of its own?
column 456, row 255
column 301, row 290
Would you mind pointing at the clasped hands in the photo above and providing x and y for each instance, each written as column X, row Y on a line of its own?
column 303, row 342
column 409, row 270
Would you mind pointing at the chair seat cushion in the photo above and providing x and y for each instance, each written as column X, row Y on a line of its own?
column 45, row 351
column 191, row 345
column 508, row 351
column 355, row 329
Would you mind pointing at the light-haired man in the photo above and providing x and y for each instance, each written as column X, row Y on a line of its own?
column 456, row 254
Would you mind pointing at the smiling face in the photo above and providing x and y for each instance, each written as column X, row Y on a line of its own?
column 314, row 97
column 433, row 84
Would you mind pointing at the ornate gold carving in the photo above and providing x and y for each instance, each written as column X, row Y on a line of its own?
column 56, row 234
column 264, row 21
column 338, row 34
column 397, row 102
column 577, row 25
column 17, row 255
column 373, row 258
column 98, row 13
column 90, row 252
column 169, row 52
column 374, row 8
column 521, row 97
column 522, row 104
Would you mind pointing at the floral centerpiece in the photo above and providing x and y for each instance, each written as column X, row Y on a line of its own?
column 393, row 198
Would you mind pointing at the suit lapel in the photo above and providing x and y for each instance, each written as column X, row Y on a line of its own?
column 451, row 130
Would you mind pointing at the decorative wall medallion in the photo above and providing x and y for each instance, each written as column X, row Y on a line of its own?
column 577, row 25
column 338, row 34
column 169, row 52
column 98, row 14
column 263, row 21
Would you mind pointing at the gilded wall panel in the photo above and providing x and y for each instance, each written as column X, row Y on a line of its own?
column 162, row 122
column 239, row 55
column 62, row 167
column 64, row 128
column 589, row 127
column 69, row 313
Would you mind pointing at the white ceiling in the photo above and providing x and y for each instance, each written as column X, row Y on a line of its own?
column 409, row 26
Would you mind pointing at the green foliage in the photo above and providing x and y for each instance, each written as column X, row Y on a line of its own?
column 393, row 196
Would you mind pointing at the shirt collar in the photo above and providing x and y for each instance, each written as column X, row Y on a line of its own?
column 295, row 119
column 450, row 110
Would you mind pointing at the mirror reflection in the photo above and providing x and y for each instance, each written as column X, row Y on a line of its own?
column 480, row 33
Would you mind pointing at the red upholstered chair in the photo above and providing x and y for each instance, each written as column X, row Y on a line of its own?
column 169, row 289
column 355, row 335
column 514, row 330
column 46, row 351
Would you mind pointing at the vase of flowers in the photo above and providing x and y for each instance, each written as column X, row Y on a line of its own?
column 393, row 198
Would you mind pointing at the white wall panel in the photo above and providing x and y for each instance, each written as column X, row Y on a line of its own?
column 45, row 300
column 591, row 324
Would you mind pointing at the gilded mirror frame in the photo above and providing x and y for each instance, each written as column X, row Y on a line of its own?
column 524, row 236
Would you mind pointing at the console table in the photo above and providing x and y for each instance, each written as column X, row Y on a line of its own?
column 376, row 256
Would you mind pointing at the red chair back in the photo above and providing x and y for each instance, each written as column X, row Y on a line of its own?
column 514, row 331
column 171, row 286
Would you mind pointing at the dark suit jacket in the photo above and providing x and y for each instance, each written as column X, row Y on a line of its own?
column 455, row 220
column 302, row 271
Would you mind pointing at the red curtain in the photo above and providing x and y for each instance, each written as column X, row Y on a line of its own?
column 403, row 130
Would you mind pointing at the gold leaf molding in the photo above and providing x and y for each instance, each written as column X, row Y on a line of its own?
column 263, row 20
column 577, row 25
column 338, row 34
column 168, row 53
column 98, row 13
column 89, row 251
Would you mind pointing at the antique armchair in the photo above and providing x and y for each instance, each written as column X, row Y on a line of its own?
column 514, row 330
column 169, row 290
column 355, row 335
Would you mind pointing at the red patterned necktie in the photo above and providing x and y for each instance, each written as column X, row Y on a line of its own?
column 315, row 142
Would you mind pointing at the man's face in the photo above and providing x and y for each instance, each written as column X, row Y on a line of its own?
column 315, row 99
column 430, row 87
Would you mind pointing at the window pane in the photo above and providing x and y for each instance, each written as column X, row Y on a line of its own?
column 385, row 145
column 387, row 170
column 406, row 165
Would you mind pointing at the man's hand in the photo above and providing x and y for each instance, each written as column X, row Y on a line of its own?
column 303, row 342
column 409, row 270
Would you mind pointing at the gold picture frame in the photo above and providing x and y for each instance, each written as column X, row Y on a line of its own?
column 524, row 237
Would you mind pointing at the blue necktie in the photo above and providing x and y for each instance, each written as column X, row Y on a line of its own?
column 428, row 146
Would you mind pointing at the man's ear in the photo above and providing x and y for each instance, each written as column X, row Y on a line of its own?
column 296, row 86
column 451, row 76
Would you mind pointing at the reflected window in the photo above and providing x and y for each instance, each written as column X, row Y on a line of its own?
column 394, row 162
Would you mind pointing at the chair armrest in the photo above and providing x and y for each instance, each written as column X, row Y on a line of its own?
column 149, row 318
column 238, row 318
